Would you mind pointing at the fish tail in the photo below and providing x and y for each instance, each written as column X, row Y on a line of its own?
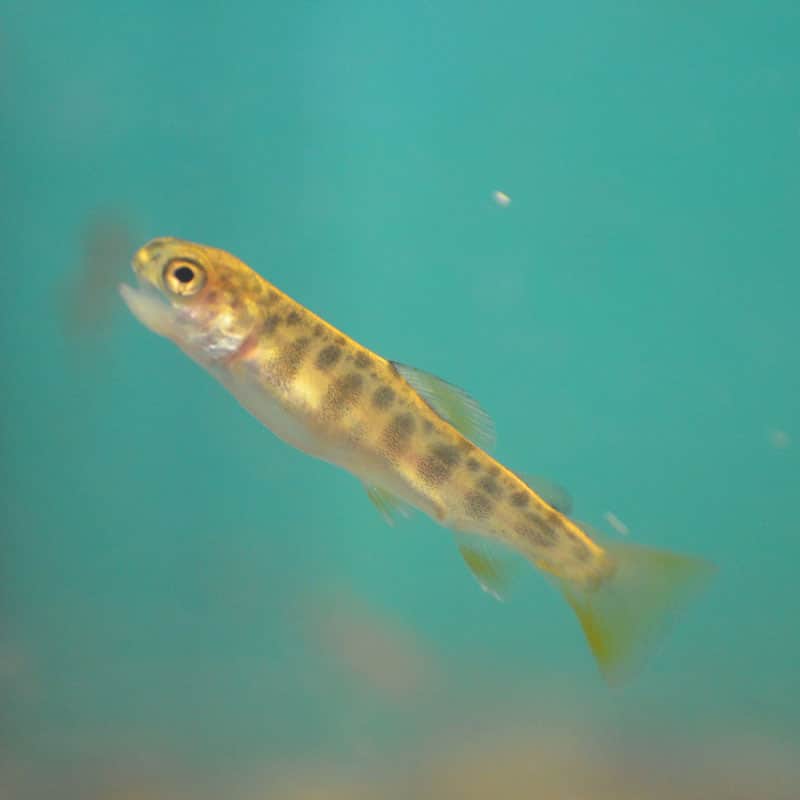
column 626, row 611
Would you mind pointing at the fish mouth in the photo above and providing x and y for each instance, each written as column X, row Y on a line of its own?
column 146, row 300
column 147, row 303
column 149, row 308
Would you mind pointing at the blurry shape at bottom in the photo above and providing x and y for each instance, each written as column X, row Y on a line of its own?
column 515, row 764
column 514, row 754
column 375, row 649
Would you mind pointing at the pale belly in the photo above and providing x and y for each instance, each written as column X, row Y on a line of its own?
column 296, row 424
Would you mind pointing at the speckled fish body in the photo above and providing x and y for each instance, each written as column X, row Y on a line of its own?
column 328, row 395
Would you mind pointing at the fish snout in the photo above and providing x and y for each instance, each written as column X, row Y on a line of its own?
column 152, row 251
column 149, row 260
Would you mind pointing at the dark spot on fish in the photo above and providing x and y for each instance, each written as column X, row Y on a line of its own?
column 580, row 551
column 427, row 425
column 362, row 360
column 293, row 318
column 473, row 465
column 537, row 532
column 356, row 433
column 447, row 453
column 340, row 340
column 290, row 359
column 342, row 394
column 466, row 445
column 490, row 486
column 271, row 322
column 519, row 499
column 477, row 505
column 272, row 297
column 398, row 432
column 436, row 467
column 383, row 397
column 328, row 356
column 211, row 297
column 494, row 470
column 319, row 329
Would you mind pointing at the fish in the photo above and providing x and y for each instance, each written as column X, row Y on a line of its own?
column 411, row 438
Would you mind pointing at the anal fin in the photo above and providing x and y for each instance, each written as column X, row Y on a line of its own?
column 492, row 566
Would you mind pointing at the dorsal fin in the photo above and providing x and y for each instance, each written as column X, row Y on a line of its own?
column 553, row 494
column 451, row 403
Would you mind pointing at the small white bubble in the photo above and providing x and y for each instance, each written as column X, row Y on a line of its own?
column 501, row 198
column 616, row 523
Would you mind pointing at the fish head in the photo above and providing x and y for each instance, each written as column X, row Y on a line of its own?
column 202, row 298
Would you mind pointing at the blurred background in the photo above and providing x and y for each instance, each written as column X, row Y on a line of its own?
column 584, row 213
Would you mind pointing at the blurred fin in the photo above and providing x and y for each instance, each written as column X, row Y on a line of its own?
column 557, row 496
column 388, row 504
column 492, row 566
column 452, row 403
column 634, row 605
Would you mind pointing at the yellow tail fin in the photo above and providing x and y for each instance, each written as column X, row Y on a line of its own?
column 627, row 611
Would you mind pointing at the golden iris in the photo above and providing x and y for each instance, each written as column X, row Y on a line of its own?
column 184, row 277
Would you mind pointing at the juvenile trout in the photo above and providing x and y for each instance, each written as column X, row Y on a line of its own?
column 411, row 438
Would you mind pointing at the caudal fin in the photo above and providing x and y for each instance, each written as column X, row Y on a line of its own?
column 623, row 615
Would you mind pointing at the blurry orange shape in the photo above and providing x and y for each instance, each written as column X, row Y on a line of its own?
column 779, row 439
column 375, row 648
column 90, row 296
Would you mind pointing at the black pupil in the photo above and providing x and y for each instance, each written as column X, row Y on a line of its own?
column 184, row 274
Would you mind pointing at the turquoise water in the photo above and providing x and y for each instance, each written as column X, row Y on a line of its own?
column 185, row 599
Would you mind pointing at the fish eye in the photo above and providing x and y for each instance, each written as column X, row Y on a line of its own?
column 184, row 277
